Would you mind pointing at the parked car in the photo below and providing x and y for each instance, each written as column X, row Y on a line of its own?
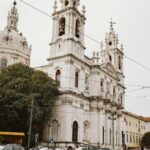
column 2, row 146
column 41, row 148
column 11, row 147
column 103, row 149
column 46, row 148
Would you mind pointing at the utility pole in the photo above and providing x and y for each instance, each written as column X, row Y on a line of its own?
column 112, row 118
column 30, row 124
column 113, row 133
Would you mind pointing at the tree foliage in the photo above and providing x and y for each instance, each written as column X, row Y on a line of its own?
column 19, row 84
column 146, row 140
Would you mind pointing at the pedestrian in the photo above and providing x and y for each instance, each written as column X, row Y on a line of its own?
column 69, row 148
column 77, row 147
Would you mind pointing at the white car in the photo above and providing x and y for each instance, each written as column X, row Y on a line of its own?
column 11, row 147
column 45, row 148
column 2, row 146
column 40, row 148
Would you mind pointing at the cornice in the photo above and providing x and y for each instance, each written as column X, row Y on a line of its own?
column 114, row 49
column 99, row 68
column 82, row 96
column 69, row 55
column 15, row 54
column 15, row 51
column 121, row 85
column 69, row 8
column 85, row 63
column 65, row 39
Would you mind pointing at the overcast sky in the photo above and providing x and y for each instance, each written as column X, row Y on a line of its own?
column 132, row 19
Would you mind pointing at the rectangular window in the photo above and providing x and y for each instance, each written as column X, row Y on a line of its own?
column 130, row 138
column 127, row 138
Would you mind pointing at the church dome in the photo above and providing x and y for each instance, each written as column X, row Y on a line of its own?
column 14, row 47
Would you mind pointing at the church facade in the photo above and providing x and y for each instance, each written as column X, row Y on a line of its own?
column 89, row 108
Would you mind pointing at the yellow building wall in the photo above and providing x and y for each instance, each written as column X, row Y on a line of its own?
column 135, row 129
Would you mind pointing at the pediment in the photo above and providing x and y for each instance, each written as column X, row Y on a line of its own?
column 109, row 68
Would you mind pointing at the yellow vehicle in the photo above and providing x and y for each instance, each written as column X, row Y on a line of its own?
column 11, row 137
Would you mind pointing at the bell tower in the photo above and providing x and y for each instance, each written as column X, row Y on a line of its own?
column 69, row 3
column 113, row 52
column 68, row 30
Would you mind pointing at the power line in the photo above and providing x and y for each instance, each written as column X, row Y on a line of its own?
column 91, row 38
column 142, row 87
column 133, row 90
column 135, row 85
column 129, row 91
column 83, row 79
column 138, row 63
column 138, row 97
column 58, row 20
column 39, row 10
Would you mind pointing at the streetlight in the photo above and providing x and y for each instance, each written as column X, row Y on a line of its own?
column 30, row 123
column 112, row 117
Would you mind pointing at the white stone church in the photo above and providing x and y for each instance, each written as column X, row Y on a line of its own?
column 89, row 108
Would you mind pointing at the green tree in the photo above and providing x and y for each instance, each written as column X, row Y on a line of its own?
column 18, row 85
column 146, row 140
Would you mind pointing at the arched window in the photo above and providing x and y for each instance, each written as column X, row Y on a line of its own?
column 110, row 43
column 86, row 83
column 123, row 138
column 74, row 4
column 75, row 132
column 127, row 137
column 120, row 99
column 114, row 91
column 76, row 79
column 116, row 137
column 62, row 23
column 77, row 31
column 57, row 76
column 110, row 135
column 54, row 130
column 133, row 138
column 130, row 138
column 136, row 139
column 3, row 63
column 66, row 3
column 119, row 63
column 110, row 58
column 102, row 83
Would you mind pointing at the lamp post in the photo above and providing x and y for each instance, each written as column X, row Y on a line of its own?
column 113, row 133
column 112, row 118
column 30, row 123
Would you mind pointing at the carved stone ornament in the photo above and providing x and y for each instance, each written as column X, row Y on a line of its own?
column 69, row 61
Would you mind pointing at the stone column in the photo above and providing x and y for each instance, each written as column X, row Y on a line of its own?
column 94, row 123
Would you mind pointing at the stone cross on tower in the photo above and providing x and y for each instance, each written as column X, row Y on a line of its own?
column 111, row 25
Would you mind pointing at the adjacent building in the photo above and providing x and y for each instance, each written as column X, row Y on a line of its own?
column 147, row 124
column 136, row 127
